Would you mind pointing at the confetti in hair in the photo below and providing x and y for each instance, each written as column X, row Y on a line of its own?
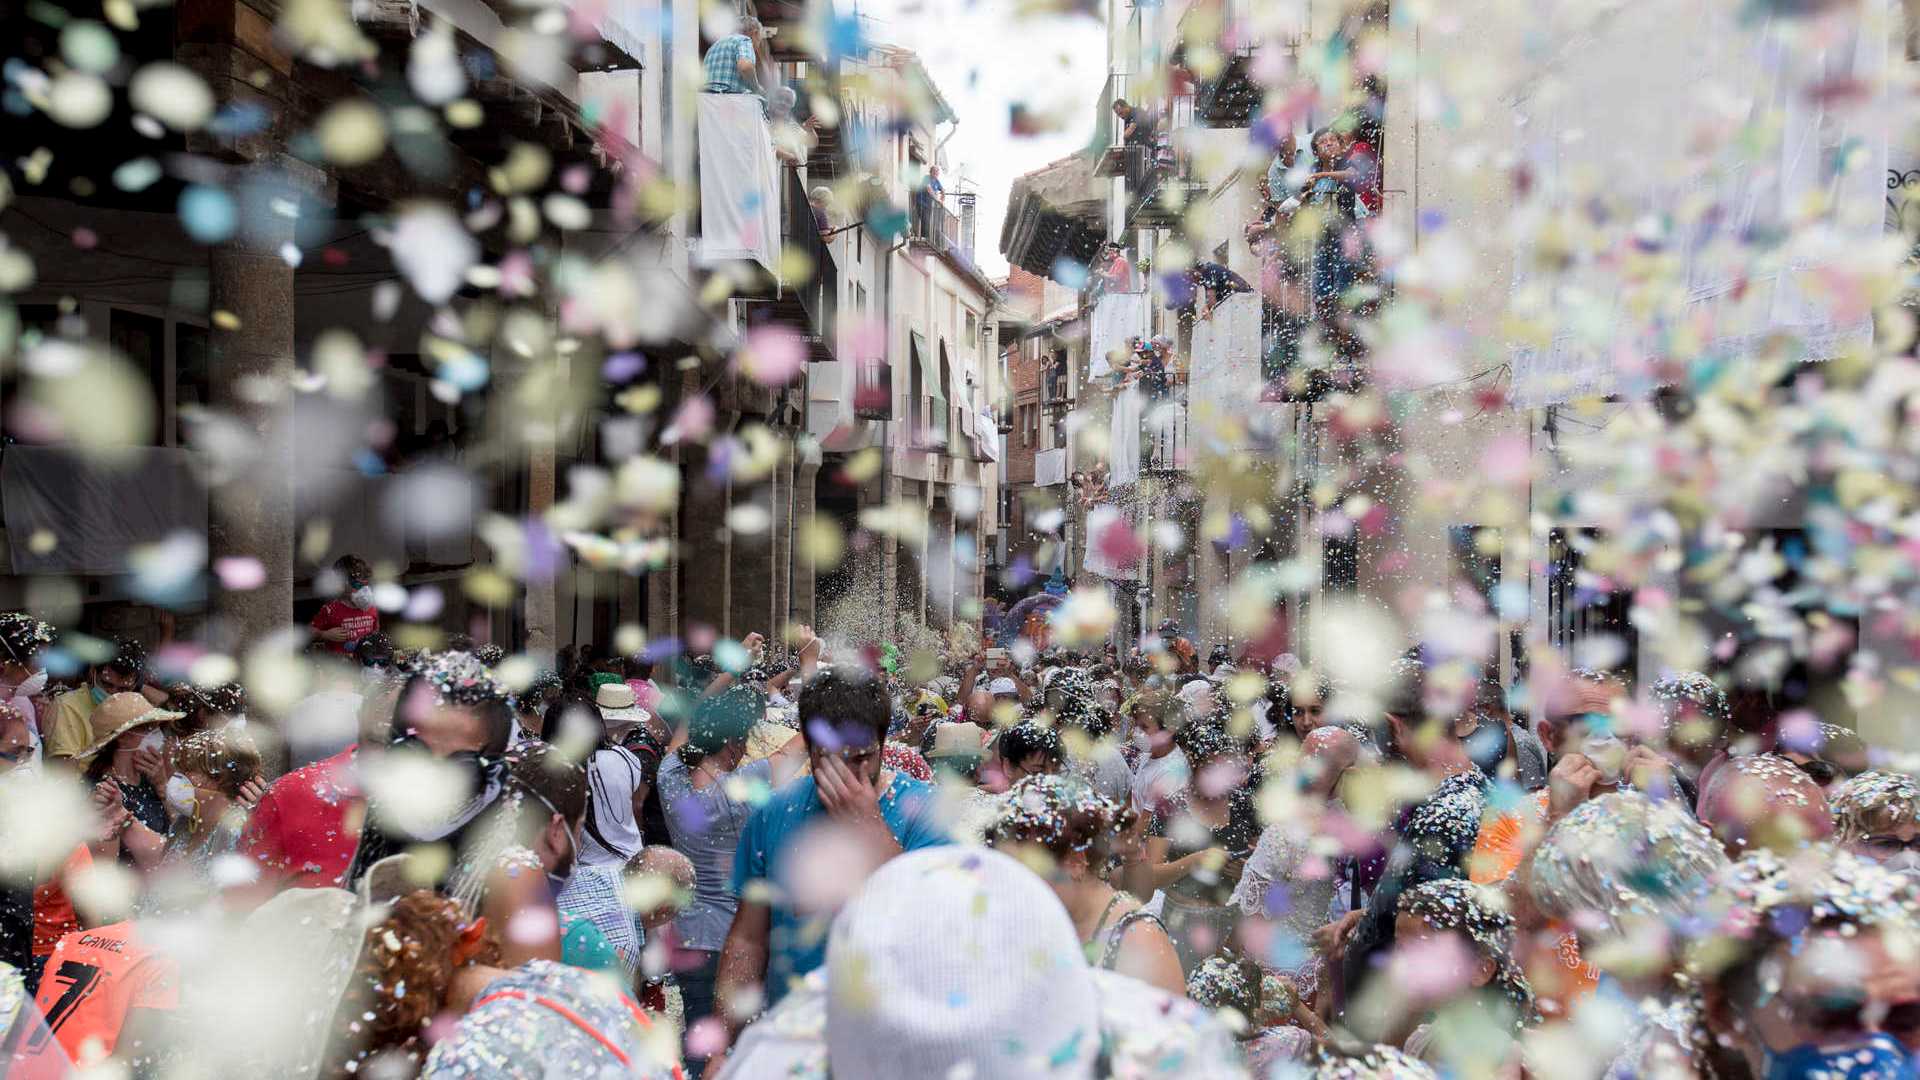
column 1479, row 914
column 1622, row 854
column 22, row 635
column 1060, row 813
column 1377, row 1063
column 1874, row 802
column 459, row 678
column 1691, row 693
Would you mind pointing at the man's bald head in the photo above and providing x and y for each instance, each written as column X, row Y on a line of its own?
column 1764, row 801
column 1329, row 752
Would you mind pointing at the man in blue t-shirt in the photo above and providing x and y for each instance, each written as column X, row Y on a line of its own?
column 844, row 716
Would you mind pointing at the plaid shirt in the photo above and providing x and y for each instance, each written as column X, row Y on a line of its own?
column 593, row 893
column 723, row 65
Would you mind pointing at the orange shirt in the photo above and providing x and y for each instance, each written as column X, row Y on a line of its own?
column 1560, row 976
column 53, row 916
column 94, row 979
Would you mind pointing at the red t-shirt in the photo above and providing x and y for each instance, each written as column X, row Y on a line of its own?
column 359, row 622
column 53, row 916
column 94, row 979
column 1363, row 158
column 304, row 831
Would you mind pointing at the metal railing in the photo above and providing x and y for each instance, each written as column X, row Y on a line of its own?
column 820, row 290
column 1163, row 436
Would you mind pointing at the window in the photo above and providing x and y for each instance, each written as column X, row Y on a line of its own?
column 859, row 245
column 860, row 299
column 973, row 329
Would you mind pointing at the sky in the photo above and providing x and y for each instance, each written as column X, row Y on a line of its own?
column 984, row 58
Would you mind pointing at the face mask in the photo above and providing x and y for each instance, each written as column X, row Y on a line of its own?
column 1877, row 1055
column 33, row 684
column 99, row 696
column 153, row 740
column 180, row 795
column 1608, row 754
column 361, row 597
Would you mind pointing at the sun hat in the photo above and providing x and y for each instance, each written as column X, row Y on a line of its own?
column 1003, row 687
column 1002, row 990
column 617, row 702
column 959, row 740
column 119, row 714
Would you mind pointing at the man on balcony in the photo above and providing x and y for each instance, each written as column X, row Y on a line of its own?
column 733, row 62
column 925, row 199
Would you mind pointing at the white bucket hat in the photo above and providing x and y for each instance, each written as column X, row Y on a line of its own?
column 618, row 703
column 959, row 961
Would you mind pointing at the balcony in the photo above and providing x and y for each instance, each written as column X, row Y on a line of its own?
column 1050, row 467
column 1056, row 389
column 1054, row 213
column 1164, row 199
column 740, row 184
column 873, row 390
column 1163, row 438
column 818, row 292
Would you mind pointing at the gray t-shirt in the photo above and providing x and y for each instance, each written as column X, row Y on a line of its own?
column 1105, row 769
column 705, row 825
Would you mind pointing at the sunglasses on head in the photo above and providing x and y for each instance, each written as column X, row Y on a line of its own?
column 1889, row 845
column 1821, row 772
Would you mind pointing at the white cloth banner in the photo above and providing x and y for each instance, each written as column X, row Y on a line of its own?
column 739, row 182
column 1100, row 521
column 1117, row 317
column 1123, row 445
column 1224, row 381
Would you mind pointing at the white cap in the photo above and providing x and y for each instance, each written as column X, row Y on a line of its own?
column 959, row 961
column 1003, row 687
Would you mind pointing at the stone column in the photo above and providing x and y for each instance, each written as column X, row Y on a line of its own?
column 942, row 567
column 780, row 532
column 542, row 613
column 253, row 512
column 806, row 478
column 663, row 586
column 704, row 551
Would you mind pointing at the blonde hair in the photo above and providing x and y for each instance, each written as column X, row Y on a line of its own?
column 225, row 756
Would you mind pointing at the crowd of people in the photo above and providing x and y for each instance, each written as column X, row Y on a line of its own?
column 772, row 858
column 1317, row 269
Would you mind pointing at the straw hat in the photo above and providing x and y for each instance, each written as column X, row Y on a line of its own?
column 118, row 715
column 617, row 702
column 959, row 740
column 1001, row 990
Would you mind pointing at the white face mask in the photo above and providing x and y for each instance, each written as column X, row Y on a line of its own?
column 180, row 795
column 33, row 684
column 1607, row 753
column 153, row 740
column 361, row 597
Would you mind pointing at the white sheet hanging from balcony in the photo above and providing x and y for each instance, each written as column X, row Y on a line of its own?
column 1123, row 441
column 1224, row 381
column 1117, row 317
column 989, row 435
column 1102, row 521
column 739, row 182
column 96, row 512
